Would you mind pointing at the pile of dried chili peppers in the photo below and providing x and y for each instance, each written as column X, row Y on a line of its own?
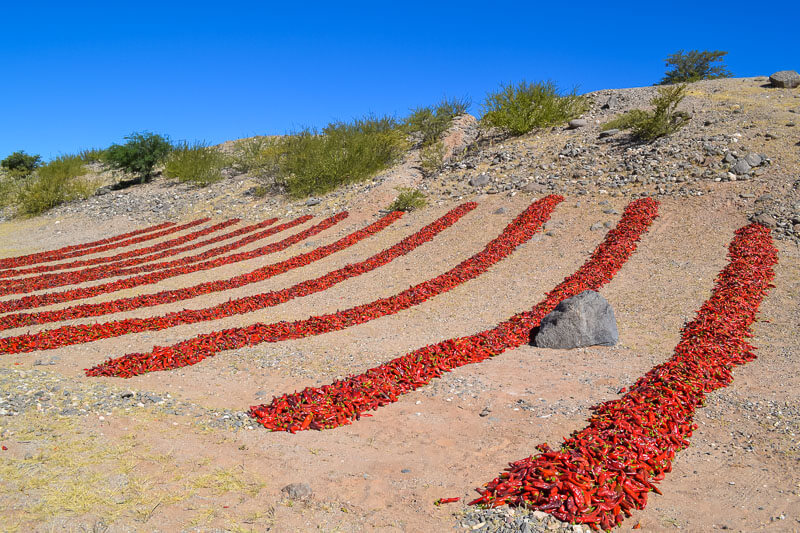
column 120, row 260
column 344, row 400
column 61, row 253
column 68, row 335
column 604, row 471
column 49, row 298
column 194, row 350
column 185, row 293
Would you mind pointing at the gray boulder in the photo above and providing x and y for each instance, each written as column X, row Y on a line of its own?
column 788, row 79
column 753, row 160
column 479, row 181
column 741, row 168
column 578, row 123
column 583, row 320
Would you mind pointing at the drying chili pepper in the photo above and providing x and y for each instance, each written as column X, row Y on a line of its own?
column 440, row 501
column 194, row 350
column 630, row 442
column 164, row 249
column 60, row 253
column 38, row 300
column 345, row 400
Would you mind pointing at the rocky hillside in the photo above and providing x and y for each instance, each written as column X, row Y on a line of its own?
column 742, row 143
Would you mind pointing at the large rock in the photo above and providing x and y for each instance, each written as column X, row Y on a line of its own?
column 788, row 79
column 583, row 320
column 297, row 491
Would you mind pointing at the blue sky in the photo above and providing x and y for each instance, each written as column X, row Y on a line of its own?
column 77, row 75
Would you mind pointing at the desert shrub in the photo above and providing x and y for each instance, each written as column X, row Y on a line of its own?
column 196, row 163
column 525, row 106
column 344, row 152
column 694, row 65
column 55, row 183
column 662, row 120
column 19, row 164
column 140, row 155
column 92, row 155
column 259, row 156
column 431, row 158
column 408, row 200
column 430, row 122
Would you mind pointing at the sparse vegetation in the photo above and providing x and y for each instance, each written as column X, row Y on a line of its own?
column 196, row 163
column 408, row 200
column 664, row 119
column 55, row 183
column 521, row 108
column 694, row 65
column 344, row 152
column 92, row 155
column 140, row 155
column 430, row 122
column 432, row 158
column 20, row 165
column 259, row 156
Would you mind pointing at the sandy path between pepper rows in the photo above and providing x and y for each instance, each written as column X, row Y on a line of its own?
column 384, row 472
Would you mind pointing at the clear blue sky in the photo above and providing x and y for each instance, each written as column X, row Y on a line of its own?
column 77, row 74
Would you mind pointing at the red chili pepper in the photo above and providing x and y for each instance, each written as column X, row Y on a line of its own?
column 446, row 500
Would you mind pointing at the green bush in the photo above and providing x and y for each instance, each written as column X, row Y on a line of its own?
column 19, row 164
column 694, row 65
column 55, row 183
column 140, row 155
column 344, row 152
column 662, row 120
column 431, row 121
column 197, row 163
column 525, row 106
column 259, row 156
column 408, row 200
column 92, row 155
column 431, row 158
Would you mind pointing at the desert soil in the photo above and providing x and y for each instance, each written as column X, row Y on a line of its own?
column 173, row 451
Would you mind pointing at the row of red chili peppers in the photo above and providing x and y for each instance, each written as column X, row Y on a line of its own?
column 604, row 471
column 55, row 255
column 68, row 335
column 49, row 298
column 119, row 244
column 194, row 350
column 157, row 251
column 344, row 400
column 46, row 281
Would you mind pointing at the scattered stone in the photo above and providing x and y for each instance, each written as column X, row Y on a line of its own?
column 485, row 412
column 313, row 201
column 609, row 133
column 596, row 226
column 786, row 79
column 479, row 180
column 405, row 471
column 586, row 319
column 747, row 195
column 753, row 160
column 578, row 123
column 741, row 168
column 611, row 103
column 297, row 491
column 765, row 219
column 500, row 211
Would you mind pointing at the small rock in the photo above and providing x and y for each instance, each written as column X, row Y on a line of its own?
column 596, row 226
column 297, row 491
column 313, row 201
column 535, row 188
column 741, row 167
column 765, row 219
column 583, row 320
column 485, row 411
column 787, row 79
column 609, row 133
column 500, row 211
column 611, row 103
column 578, row 123
column 753, row 160
column 405, row 471
column 479, row 181
column 747, row 195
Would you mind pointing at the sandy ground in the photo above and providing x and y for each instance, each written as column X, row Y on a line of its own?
column 384, row 472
